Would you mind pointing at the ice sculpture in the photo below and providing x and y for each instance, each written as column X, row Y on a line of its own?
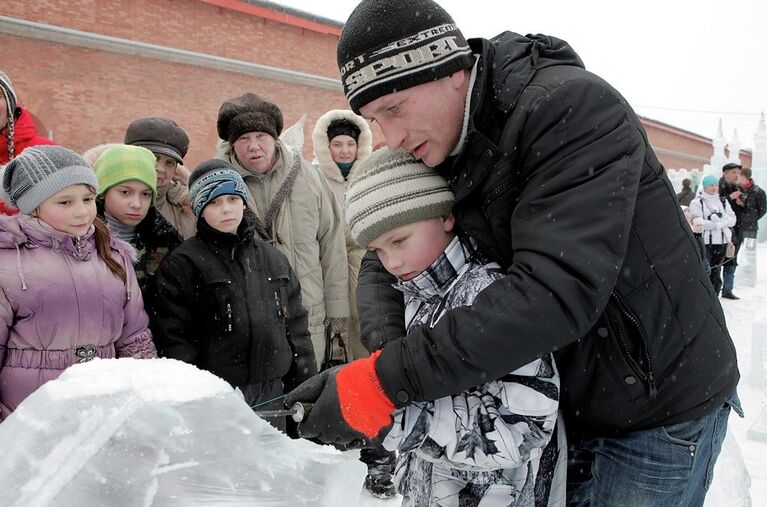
column 126, row 432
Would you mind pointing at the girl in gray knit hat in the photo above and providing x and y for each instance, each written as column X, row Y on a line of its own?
column 69, row 290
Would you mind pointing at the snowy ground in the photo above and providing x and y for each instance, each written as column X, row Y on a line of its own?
column 741, row 317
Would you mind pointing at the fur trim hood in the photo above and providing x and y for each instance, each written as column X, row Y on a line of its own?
column 321, row 142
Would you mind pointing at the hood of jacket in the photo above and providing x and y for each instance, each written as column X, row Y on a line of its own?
column 25, row 232
column 29, row 232
column 322, row 143
column 24, row 136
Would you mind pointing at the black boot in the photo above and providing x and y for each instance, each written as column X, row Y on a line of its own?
column 729, row 295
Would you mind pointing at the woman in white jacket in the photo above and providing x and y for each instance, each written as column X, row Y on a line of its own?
column 715, row 216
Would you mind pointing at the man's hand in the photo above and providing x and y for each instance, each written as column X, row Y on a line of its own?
column 735, row 195
column 349, row 405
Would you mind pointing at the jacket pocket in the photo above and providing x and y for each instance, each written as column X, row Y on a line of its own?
column 279, row 289
column 635, row 370
column 217, row 295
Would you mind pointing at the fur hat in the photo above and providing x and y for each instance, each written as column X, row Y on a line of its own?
column 248, row 113
column 343, row 127
column 160, row 136
column 390, row 189
column 41, row 171
column 122, row 163
column 391, row 45
column 214, row 178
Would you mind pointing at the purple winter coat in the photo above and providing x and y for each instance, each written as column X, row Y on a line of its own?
column 60, row 304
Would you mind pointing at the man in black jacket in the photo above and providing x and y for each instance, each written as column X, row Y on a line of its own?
column 730, row 190
column 556, row 181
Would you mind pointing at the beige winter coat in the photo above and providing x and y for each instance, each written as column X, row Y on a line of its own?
column 336, row 180
column 310, row 229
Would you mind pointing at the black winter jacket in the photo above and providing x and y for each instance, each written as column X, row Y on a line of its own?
column 231, row 304
column 754, row 208
column 155, row 238
column 557, row 182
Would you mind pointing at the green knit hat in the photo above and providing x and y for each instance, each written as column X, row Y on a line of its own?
column 390, row 189
column 122, row 163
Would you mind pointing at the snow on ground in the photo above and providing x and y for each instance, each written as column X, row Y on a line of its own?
column 728, row 476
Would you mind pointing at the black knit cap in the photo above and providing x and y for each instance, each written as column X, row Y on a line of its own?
column 248, row 113
column 391, row 45
column 343, row 127
column 159, row 135
column 731, row 166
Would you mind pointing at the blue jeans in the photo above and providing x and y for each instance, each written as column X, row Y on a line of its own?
column 664, row 466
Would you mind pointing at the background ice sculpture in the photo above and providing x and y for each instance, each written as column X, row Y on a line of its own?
column 125, row 432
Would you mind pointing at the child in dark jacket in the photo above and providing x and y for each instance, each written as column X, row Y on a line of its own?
column 230, row 303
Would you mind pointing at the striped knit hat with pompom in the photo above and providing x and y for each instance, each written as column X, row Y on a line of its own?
column 390, row 189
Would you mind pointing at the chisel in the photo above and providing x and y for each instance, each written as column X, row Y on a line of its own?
column 297, row 412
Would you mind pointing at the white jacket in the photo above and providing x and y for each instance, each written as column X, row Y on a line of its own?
column 717, row 216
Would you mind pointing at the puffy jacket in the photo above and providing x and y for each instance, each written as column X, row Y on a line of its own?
column 173, row 204
column 335, row 179
column 717, row 217
column 60, row 305
column 308, row 231
column 232, row 305
column 559, row 185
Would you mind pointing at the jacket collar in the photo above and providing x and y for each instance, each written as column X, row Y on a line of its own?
column 225, row 241
column 32, row 233
column 435, row 282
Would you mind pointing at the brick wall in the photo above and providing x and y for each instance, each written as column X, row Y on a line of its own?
column 88, row 96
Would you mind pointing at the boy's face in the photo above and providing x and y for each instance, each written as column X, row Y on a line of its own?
column 128, row 202
column 408, row 250
column 224, row 213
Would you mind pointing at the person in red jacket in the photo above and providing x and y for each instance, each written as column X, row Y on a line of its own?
column 17, row 130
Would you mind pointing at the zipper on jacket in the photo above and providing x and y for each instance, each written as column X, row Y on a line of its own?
column 648, row 376
column 494, row 193
column 277, row 304
column 229, row 319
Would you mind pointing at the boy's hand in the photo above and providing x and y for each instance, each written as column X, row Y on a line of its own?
column 349, row 405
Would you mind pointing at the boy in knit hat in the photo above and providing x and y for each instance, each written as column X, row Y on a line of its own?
column 294, row 208
column 496, row 443
column 229, row 302
column 169, row 143
column 127, row 193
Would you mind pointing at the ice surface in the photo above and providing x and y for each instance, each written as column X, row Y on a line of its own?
column 126, row 432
